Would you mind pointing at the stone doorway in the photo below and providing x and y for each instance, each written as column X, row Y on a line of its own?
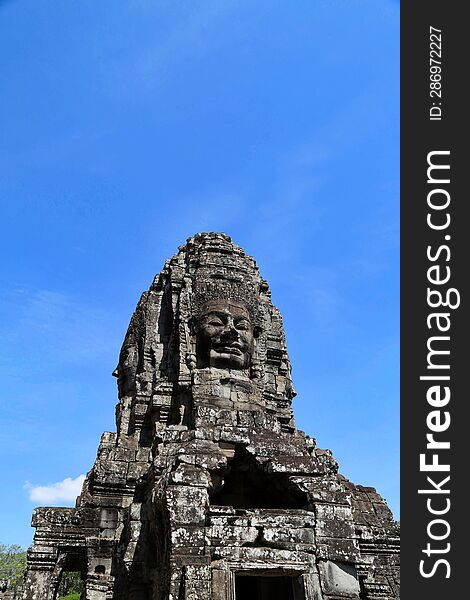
column 261, row 587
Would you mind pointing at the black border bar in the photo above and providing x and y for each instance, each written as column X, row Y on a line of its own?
column 434, row 253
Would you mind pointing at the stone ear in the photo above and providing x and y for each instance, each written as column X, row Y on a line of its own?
column 257, row 331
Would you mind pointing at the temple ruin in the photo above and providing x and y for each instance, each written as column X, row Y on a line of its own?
column 207, row 490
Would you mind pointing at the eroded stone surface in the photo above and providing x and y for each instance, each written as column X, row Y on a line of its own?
column 207, row 478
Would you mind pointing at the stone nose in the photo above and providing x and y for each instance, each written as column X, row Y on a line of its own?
column 230, row 328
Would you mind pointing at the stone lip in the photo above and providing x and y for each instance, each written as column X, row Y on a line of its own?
column 207, row 479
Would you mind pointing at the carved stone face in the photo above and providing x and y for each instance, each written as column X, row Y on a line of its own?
column 224, row 335
column 126, row 370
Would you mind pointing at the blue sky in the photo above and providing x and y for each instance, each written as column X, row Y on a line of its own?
column 129, row 126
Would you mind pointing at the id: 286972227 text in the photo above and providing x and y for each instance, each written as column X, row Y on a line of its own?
column 435, row 74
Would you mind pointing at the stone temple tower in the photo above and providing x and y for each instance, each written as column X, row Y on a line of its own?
column 207, row 491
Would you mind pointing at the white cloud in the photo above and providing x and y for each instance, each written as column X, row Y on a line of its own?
column 62, row 491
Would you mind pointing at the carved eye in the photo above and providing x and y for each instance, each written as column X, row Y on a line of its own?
column 243, row 325
column 215, row 322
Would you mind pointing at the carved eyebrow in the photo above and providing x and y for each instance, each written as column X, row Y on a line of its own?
column 242, row 318
column 225, row 314
column 216, row 313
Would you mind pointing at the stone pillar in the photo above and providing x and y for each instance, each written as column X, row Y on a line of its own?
column 197, row 582
column 222, row 584
column 99, row 583
column 37, row 585
column 95, row 590
column 43, row 574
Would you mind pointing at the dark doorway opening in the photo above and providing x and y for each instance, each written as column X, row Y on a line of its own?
column 254, row 587
column 246, row 485
column 71, row 585
column 73, row 562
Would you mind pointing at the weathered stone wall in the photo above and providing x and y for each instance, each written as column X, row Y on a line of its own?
column 207, row 489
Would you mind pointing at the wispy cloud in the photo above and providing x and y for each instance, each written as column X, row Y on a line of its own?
column 188, row 37
column 54, row 328
column 63, row 491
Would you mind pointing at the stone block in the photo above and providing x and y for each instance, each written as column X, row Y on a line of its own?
column 339, row 579
column 186, row 504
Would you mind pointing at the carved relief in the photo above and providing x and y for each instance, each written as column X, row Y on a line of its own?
column 225, row 335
